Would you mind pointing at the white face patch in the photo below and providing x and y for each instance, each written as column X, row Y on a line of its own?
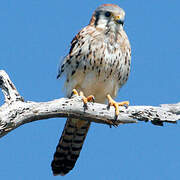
column 109, row 21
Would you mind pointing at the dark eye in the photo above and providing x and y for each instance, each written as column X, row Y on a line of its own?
column 107, row 14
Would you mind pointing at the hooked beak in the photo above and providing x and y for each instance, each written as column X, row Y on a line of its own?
column 118, row 19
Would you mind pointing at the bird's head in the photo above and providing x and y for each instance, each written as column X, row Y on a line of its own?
column 108, row 16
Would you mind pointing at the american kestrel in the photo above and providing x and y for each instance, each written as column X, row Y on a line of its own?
column 98, row 64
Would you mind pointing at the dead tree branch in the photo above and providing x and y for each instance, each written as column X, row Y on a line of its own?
column 16, row 112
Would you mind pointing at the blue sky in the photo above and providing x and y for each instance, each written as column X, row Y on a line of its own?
column 35, row 35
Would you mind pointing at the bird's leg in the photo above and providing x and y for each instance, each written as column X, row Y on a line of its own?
column 116, row 104
column 86, row 99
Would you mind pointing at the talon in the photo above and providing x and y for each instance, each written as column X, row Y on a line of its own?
column 116, row 105
column 91, row 98
column 74, row 92
column 124, row 103
column 114, row 123
column 86, row 99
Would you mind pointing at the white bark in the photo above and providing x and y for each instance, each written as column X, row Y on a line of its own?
column 16, row 112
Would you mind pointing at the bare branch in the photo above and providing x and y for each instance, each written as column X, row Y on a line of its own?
column 9, row 90
column 16, row 112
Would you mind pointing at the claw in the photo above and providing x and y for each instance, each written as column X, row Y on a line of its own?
column 116, row 105
column 124, row 103
column 86, row 99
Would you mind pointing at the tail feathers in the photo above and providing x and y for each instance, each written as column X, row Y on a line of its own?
column 69, row 146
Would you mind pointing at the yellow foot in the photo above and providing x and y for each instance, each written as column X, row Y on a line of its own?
column 74, row 92
column 85, row 99
column 116, row 104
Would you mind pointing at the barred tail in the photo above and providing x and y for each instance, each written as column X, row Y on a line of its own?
column 69, row 146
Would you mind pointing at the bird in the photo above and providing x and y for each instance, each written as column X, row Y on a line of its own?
column 96, row 67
